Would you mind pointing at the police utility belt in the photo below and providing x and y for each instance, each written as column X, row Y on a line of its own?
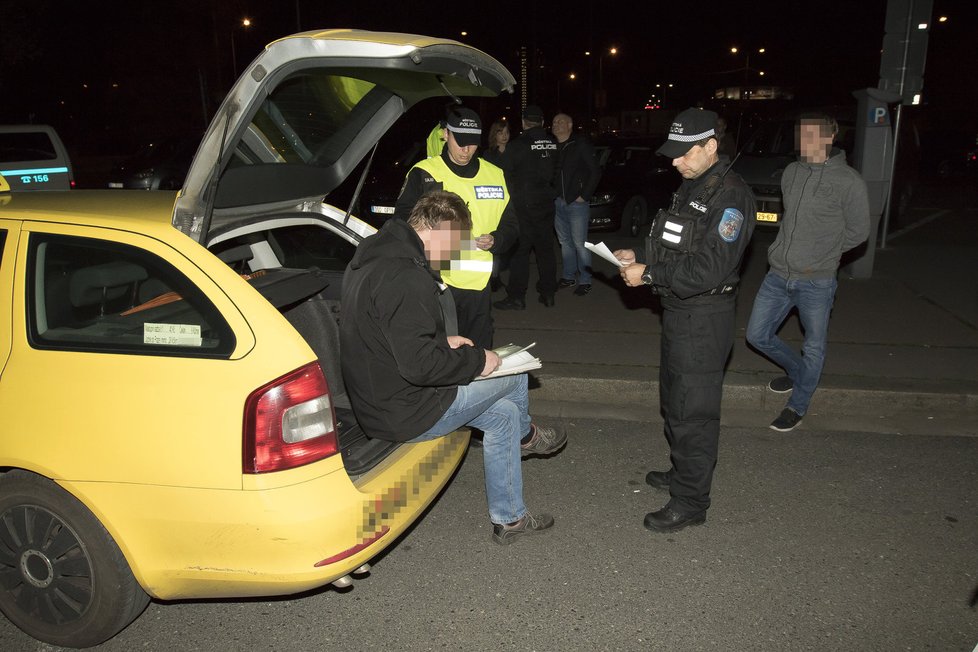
column 674, row 235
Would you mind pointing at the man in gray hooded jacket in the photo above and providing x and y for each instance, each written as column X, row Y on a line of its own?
column 826, row 213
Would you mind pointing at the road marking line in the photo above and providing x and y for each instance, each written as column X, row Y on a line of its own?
column 910, row 227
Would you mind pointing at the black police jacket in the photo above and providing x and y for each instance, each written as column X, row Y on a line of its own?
column 529, row 168
column 694, row 249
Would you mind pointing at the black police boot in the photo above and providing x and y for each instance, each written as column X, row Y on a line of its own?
column 510, row 303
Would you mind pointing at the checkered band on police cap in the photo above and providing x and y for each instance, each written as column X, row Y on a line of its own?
column 687, row 129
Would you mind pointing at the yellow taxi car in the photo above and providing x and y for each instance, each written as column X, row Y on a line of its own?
column 173, row 423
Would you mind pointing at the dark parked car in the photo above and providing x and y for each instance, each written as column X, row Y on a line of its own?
column 947, row 154
column 159, row 165
column 386, row 177
column 397, row 152
column 635, row 183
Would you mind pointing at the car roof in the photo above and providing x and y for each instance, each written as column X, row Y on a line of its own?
column 133, row 210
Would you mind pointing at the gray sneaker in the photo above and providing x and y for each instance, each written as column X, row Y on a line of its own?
column 529, row 524
column 544, row 442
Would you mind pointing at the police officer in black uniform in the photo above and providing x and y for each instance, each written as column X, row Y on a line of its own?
column 692, row 261
column 529, row 174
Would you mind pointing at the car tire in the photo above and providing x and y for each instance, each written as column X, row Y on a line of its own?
column 634, row 216
column 64, row 579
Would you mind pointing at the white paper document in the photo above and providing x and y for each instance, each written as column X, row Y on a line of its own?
column 515, row 360
column 602, row 250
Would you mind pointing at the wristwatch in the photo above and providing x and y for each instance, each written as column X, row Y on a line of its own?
column 647, row 277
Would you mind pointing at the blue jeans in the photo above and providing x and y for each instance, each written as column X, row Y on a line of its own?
column 775, row 298
column 500, row 408
column 571, row 222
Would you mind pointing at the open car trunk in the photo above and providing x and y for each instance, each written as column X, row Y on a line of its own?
column 304, row 299
column 293, row 129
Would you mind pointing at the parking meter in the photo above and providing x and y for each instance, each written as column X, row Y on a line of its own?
column 872, row 157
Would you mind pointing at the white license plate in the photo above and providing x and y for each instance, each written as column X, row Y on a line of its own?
column 767, row 217
column 386, row 210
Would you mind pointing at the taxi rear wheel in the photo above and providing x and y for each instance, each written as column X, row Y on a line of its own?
column 63, row 579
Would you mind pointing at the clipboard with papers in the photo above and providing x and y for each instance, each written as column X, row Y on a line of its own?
column 515, row 359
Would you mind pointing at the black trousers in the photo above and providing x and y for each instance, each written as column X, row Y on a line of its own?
column 696, row 342
column 536, row 234
column 473, row 308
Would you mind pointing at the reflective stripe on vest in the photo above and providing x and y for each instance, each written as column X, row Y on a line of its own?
column 486, row 196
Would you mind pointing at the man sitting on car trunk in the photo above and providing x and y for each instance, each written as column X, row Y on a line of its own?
column 408, row 381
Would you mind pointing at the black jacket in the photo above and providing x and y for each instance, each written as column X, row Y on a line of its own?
column 720, row 233
column 532, row 159
column 497, row 158
column 400, row 373
column 577, row 173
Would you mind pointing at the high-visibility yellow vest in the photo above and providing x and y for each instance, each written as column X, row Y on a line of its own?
column 486, row 196
column 435, row 142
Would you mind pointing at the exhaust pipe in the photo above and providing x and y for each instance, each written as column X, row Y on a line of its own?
column 343, row 582
column 346, row 581
column 363, row 570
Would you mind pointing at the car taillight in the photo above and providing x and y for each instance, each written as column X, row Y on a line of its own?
column 289, row 422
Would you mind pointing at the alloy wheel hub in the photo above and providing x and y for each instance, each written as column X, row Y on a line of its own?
column 36, row 568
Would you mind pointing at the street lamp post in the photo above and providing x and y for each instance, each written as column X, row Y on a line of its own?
column 591, row 93
column 603, row 104
column 245, row 23
column 747, row 53
column 570, row 77
column 590, row 86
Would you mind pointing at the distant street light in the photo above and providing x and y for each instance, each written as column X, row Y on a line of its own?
column 658, row 98
column 245, row 23
column 747, row 53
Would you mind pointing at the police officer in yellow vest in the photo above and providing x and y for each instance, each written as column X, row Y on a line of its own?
column 436, row 139
column 494, row 227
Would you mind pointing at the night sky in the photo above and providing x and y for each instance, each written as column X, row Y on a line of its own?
column 109, row 74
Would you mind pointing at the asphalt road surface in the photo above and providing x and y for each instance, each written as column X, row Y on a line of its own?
column 816, row 540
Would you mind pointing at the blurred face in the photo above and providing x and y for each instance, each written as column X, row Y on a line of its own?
column 697, row 160
column 814, row 141
column 562, row 127
column 502, row 136
column 442, row 245
column 459, row 155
